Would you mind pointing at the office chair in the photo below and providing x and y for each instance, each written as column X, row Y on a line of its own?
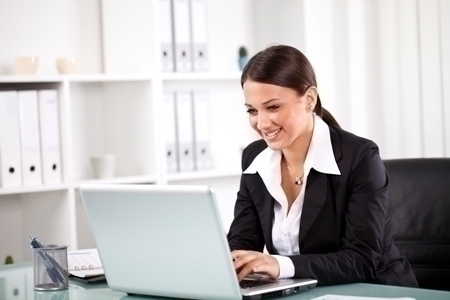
column 419, row 207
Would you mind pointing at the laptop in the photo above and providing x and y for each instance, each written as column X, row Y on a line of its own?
column 167, row 240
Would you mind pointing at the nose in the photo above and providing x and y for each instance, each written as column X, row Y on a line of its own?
column 263, row 121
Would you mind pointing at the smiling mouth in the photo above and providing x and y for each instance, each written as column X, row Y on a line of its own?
column 272, row 134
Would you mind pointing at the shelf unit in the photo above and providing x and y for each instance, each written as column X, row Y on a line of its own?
column 102, row 114
column 118, row 110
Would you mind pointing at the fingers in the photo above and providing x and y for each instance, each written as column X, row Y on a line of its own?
column 246, row 270
column 242, row 258
column 236, row 253
column 248, row 262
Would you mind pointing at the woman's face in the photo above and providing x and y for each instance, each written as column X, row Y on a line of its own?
column 279, row 114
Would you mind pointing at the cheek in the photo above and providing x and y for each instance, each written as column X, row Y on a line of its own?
column 294, row 120
column 253, row 123
column 286, row 117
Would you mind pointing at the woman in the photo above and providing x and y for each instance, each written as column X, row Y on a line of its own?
column 313, row 194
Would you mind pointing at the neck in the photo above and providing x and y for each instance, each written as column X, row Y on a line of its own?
column 295, row 154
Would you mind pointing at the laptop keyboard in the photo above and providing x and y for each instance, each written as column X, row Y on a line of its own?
column 246, row 284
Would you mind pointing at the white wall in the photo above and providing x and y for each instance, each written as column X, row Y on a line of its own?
column 278, row 24
column 10, row 213
column 49, row 29
column 383, row 69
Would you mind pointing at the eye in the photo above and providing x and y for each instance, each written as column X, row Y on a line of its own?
column 252, row 111
column 273, row 107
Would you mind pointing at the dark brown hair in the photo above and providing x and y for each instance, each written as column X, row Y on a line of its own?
column 287, row 67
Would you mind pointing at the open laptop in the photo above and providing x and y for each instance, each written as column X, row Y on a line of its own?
column 168, row 241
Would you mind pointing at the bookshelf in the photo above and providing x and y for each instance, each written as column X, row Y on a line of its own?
column 110, row 111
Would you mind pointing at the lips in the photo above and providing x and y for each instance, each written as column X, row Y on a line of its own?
column 272, row 134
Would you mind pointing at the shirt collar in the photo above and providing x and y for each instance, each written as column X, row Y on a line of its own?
column 320, row 156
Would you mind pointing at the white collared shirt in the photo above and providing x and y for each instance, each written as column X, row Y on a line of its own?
column 286, row 226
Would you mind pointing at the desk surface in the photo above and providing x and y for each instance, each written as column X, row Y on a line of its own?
column 16, row 282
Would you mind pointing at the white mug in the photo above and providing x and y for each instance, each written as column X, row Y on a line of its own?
column 103, row 166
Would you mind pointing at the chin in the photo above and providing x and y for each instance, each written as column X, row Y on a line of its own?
column 274, row 145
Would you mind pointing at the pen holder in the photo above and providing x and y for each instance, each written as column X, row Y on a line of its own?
column 50, row 268
column 52, row 295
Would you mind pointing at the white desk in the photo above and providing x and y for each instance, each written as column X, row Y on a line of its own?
column 16, row 282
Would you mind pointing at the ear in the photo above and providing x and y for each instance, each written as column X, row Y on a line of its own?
column 311, row 97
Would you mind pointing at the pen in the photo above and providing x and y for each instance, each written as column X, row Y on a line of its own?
column 49, row 262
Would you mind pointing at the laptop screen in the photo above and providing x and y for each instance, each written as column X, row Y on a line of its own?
column 161, row 240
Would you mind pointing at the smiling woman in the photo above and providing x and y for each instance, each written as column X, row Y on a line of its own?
column 313, row 194
column 276, row 111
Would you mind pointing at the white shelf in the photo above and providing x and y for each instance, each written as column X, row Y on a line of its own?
column 195, row 175
column 76, row 78
column 181, row 76
column 33, row 189
column 186, row 76
column 29, row 79
column 120, row 180
column 108, row 77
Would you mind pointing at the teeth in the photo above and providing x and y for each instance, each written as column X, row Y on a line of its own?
column 271, row 134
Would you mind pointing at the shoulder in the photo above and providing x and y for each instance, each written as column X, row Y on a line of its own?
column 347, row 137
column 352, row 151
column 251, row 151
column 348, row 143
column 356, row 155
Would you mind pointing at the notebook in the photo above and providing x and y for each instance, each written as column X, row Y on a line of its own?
column 168, row 241
column 85, row 265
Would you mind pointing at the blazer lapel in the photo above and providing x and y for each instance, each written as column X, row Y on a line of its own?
column 316, row 190
column 264, row 205
column 315, row 195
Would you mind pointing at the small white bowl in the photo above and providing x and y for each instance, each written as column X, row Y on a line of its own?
column 26, row 65
column 66, row 64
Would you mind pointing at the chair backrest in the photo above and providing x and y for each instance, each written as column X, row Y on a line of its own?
column 419, row 207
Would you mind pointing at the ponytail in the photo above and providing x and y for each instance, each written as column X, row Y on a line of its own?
column 326, row 116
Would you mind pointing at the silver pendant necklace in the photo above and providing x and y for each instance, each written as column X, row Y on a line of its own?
column 298, row 179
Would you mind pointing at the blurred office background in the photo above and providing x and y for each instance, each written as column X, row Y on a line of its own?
column 383, row 66
column 383, row 69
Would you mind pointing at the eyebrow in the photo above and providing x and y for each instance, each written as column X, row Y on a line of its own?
column 265, row 103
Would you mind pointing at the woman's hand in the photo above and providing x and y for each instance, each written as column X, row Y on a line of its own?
column 249, row 262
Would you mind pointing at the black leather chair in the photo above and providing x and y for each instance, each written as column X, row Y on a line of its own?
column 419, row 207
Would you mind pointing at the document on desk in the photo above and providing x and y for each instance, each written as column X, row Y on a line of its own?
column 85, row 263
column 344, row 297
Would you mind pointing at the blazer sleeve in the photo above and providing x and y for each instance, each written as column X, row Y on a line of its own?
column 362, row 243
column 245, row 231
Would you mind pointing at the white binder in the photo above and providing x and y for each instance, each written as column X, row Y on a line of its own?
column 199, row 48
column 202, row 148
column 185, row 131
column 183, row 60
column 30, row 138
column 50, row 136
column 10, row 160
column 166, row 35
column 170, row 132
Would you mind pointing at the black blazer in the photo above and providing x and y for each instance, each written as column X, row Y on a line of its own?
column 344, row 229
